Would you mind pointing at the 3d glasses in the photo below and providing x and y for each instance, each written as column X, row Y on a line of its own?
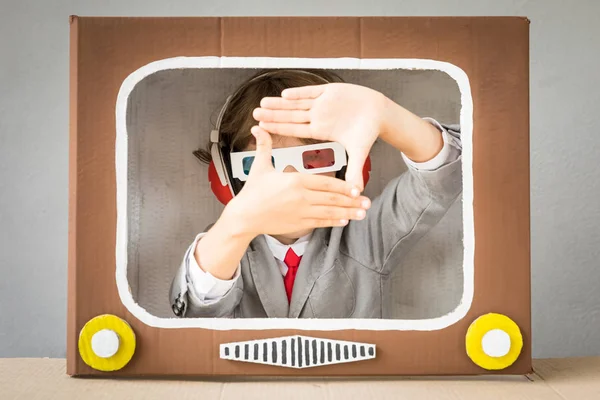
column 310, row 159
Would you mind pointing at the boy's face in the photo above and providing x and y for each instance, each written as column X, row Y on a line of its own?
column 278, row 143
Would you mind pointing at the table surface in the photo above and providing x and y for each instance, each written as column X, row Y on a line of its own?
column 554, row 379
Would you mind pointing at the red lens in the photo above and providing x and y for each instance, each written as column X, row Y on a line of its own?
column 321, row 158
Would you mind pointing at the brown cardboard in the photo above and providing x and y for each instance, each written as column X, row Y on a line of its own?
column 493, row 52
column 554, row 379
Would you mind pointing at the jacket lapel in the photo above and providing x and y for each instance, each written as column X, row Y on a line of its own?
column 314, row 262
column 267, row 279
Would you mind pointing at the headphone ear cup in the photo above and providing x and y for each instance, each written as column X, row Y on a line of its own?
column 223, row 193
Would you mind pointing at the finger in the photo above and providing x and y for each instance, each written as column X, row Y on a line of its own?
column 262, row 159
column 337, row 199
column 328, row 184
column 278, row 103
column 354, row 170
column 324, row 223
column 303, row 92
column 295, row 116
column 336, row 213
column 286, row 129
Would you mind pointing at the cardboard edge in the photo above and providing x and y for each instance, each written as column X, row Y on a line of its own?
column 80, row 365
column 72, row 213
column 528, row 339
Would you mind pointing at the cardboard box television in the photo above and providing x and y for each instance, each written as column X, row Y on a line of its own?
column 143, row 94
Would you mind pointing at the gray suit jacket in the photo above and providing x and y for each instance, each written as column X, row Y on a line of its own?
column 344, row 272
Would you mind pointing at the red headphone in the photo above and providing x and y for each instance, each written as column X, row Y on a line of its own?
column 218, row 173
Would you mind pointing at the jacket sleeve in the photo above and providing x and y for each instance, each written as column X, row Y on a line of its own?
column 195, row 293
column 409, row 206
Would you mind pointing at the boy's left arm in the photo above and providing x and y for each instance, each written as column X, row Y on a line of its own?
column 409, row 206
column 450, row 152
column 356, row 116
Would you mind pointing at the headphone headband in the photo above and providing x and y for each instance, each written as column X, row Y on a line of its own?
column 215, row 136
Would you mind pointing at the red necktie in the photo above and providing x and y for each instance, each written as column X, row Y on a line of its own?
column 292, row 261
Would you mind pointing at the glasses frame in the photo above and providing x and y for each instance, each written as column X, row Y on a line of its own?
column 291, row 156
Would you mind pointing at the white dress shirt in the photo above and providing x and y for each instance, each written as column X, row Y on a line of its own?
column 209, row 289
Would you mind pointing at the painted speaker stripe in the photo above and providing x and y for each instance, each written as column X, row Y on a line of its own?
column 283, row 352
column 297, row 351
column 307, row 352
column 322, row 352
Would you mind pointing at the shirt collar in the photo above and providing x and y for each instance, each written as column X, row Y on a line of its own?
column 279, row 249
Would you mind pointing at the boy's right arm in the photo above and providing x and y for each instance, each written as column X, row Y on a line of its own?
column 228, row 235
column 207, row 283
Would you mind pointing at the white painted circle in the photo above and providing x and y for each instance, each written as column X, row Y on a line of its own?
column 496, row 343
column 105, row 343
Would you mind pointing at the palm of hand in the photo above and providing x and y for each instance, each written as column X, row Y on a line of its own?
column 345, row 113
column 348, row 114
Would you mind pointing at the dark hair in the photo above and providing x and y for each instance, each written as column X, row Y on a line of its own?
column 236, row 122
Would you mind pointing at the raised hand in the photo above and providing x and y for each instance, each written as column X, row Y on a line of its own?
column 276, row 203
column 349, row 114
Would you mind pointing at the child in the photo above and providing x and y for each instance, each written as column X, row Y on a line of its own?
column 306, row 245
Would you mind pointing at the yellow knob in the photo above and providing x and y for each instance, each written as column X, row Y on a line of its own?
column 106, row 343
column 494, row 341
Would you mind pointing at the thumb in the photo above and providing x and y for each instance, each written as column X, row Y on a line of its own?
column 262, row 159
column 354, row 170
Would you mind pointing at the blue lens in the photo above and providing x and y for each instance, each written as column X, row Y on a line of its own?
column 247, row 163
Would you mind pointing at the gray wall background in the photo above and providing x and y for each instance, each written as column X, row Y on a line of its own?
column 565, row 143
